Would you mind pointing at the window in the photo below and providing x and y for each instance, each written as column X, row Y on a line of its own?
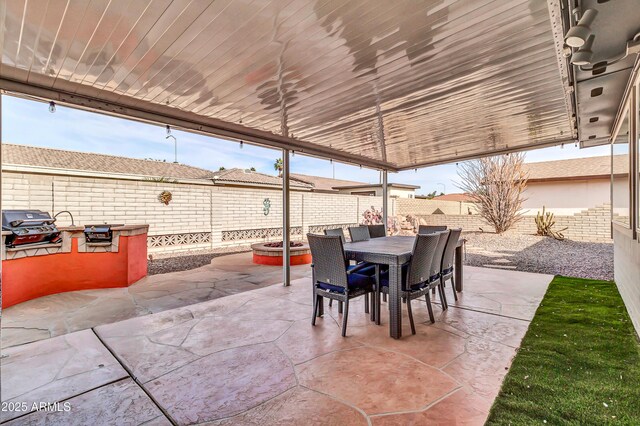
column 621, row 193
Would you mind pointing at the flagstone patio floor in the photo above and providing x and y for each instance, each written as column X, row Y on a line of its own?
column 253, row 358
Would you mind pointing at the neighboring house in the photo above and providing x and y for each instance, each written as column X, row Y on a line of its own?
column 30, row 159
column 462, row 198
column 339, row 186
column 566, row 187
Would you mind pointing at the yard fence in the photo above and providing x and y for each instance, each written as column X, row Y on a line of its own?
column 204, row 216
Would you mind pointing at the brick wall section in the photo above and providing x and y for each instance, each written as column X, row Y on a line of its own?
column 589, row 225
column 193, row 209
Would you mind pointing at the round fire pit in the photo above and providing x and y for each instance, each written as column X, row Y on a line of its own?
column 271, row 253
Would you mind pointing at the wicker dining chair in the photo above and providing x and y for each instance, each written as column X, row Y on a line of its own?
column 336, row 231
column 359, row 233
column 435, row 269
column 446, row 268
column 416, row 278
column 363, row 268
column 430, row 229
column 377, row 231
column 332, row 279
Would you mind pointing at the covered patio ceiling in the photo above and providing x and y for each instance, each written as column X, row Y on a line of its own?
column 390, row 85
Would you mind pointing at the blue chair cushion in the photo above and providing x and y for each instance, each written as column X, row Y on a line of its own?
column 368, row 269
column 353, row 280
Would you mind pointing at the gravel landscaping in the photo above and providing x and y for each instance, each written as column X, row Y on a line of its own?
column 532, row 253
column 174, row 262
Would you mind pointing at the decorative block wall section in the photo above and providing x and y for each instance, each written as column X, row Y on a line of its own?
column 257, row 234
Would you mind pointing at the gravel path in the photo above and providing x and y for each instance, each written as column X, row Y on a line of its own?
column 546, row 255
column 165, row 263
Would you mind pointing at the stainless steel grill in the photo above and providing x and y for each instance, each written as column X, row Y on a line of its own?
column 29, row 227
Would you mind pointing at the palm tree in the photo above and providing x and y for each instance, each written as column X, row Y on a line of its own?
column 278, row 166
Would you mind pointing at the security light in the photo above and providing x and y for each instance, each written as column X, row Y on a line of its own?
column 584, row 55
column 578, row 34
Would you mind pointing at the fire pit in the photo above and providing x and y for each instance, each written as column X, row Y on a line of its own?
column 271, row 253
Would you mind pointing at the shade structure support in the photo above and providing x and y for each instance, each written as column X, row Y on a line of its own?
column 385, row 199
column 286, row 222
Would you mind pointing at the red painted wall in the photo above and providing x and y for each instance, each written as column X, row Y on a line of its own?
column 31, row 277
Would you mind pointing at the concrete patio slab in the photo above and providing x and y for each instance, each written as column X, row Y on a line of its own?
column 63, row 313
column 254, row 358
column 53, row 370
column 120, row 403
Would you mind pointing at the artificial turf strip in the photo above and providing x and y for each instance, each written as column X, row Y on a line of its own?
column 579, row 362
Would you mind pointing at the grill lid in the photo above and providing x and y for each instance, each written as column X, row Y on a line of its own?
column 12, row 219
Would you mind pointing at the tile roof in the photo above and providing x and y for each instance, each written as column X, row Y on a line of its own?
column 72, row 160
column 322, row 183
column 243, row 176
column 22, row 155
column 577, row 168
column 454, row 197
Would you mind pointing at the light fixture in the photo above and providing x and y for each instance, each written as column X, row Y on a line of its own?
column 566, row 51
column 241, row 144
column 168, row 130
column 584, row 54
column 578, row 34
column 52, row 107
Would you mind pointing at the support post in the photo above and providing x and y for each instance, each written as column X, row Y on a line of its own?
column 385, row 200
column 1, row 140
column 286, row 231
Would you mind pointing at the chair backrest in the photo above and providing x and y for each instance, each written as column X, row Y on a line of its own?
column 377, row 231
column 443, row 236
column 328, row 259
column 336, row 231
column 424, row 248
column 452, row 242
column 359, row 233
column 430, row 229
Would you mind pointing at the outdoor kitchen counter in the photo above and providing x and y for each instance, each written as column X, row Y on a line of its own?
column 73, row 264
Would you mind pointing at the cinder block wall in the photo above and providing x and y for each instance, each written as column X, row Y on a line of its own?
column 589, row 225
column 198, row 216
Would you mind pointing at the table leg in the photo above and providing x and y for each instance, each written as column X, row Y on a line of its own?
column 458, row 267
column 395, row 304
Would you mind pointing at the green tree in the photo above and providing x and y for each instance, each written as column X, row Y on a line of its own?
column 278, row 166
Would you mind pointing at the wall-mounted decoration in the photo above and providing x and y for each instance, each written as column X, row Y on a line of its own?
column 165, row 197
column 267, row 206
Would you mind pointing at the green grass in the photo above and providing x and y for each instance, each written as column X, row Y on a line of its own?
column 579, row 362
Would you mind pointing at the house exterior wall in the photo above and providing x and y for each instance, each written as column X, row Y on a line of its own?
column 570, row 196
column 198, row 217
column 626, row 270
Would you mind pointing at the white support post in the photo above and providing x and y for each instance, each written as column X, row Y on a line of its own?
column 385, row 199
column 286, row 228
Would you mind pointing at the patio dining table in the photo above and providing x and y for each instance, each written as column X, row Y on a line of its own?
column 395, row 251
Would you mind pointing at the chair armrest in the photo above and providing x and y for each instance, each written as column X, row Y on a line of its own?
column 357, row 268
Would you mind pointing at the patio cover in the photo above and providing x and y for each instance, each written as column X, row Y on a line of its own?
column 386, row 84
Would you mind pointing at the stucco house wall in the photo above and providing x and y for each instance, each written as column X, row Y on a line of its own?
column 569, row 197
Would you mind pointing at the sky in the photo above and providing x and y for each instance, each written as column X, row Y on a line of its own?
column 27, row 122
